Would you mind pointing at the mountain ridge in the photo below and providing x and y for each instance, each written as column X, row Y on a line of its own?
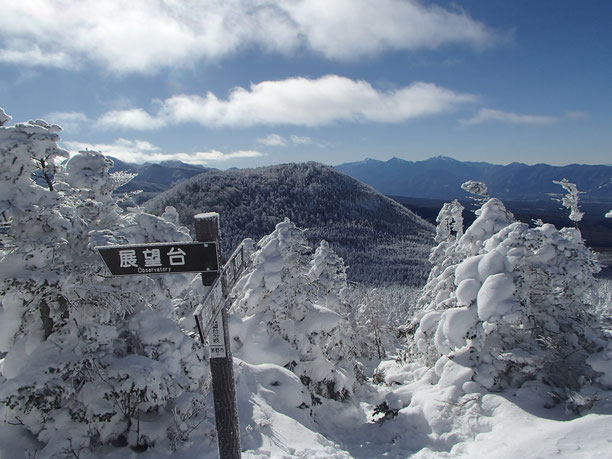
column 380, row 240
column 154, row 178
column 441, row 177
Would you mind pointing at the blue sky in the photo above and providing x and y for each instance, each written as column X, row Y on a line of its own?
column 243, row 83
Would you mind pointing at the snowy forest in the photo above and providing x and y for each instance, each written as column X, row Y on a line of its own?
column 504, row 349
column 364, row 227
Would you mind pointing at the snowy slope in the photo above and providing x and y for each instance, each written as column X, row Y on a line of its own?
column 437, row 424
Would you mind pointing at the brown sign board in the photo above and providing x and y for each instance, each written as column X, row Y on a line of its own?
column 160, row 258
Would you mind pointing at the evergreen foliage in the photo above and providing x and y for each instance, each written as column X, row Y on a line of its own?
column 296, row 297
column 373, row 234
column 510, row 303
column 89, row 360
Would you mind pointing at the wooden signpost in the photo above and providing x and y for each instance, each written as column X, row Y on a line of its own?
column 221, row 363
column 204, row 257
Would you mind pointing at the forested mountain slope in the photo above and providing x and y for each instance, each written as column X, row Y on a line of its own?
column 154, row 178
column 379, row 240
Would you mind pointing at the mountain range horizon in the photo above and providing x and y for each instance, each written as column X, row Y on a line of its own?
column 439, row 177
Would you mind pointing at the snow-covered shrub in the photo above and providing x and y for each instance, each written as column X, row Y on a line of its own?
column 328, row 276
column 89, row 360
column 290, row 312
column 507, row 303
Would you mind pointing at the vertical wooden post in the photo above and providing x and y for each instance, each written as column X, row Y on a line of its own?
column 222, row 370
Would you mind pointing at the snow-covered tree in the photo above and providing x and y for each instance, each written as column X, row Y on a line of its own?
column 4, row 118
column 448, row 231
column 378, row 317
column 570, row 200
column 509, row 304
column 450, row 221
column 478, row 189
column 89, row 360
column 490, row 218
column 328, row 275
column 291, row 313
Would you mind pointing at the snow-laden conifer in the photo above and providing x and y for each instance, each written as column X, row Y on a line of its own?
column 507, row 303
column 448, row 231
column 90, row 360
column 328, row 275
column 291, row 312
column 570, row 200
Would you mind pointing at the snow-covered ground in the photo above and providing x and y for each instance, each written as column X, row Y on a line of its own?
column 438, row 422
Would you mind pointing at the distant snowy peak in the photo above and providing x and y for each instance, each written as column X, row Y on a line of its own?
column 181, row 164
column 153, row 177
column 441, row 177
column 395, row 160
column 440, row 158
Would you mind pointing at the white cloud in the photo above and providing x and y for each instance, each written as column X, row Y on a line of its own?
column 133, row 119
column 296, row 101
column 206, row 157
column 275, row 140
column 119, row 149
column 31, row 55
column 140, row 151
column 272, row 140
column 69, row 121
column 147, row 35
column 346, row 29
column 486, row 115
column 300, row 140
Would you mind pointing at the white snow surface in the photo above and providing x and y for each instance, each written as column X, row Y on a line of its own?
column 496, row 297
column 437, row 418
column 434, row 421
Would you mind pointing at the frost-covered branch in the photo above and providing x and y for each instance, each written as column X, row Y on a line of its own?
column 570, row 200
column 59, row 316
column 476, row 188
